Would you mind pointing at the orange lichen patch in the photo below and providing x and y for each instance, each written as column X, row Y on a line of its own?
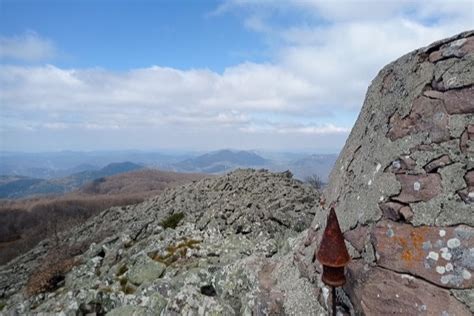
column 412, row 247
column 407, row 256
column 425, row 251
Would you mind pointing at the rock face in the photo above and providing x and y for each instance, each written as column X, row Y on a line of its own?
column 244, row 243
column 403, row 188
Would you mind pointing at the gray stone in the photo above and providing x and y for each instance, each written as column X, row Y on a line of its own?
column 437, row 163
column 416, row 188
column 465, row 296
column 145, row 269
column 128, row 311
column 411, row 145
column 444, row 262
column 376, row 291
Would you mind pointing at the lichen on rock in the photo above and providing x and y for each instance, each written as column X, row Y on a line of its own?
column 402, row 187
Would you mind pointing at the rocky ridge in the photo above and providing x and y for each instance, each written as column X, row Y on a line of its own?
column 148, row 260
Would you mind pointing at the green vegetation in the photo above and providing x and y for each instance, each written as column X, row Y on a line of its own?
column 2, row 306
column 172, row 221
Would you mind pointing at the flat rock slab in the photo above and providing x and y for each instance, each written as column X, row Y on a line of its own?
column 145, row 269
column 416, row 188
column 459, row 101
column 441, row 255
column 377, row 291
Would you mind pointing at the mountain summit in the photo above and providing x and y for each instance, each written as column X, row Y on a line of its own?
column 244, row 243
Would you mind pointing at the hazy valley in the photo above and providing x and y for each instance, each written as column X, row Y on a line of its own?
column 33, row 175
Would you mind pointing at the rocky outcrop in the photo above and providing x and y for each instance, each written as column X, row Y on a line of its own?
column 220, row 246
column 403, row 188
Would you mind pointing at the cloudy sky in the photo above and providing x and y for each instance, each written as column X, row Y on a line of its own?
column 201, row 75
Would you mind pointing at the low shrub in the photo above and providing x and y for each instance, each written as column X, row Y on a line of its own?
column 172, row 221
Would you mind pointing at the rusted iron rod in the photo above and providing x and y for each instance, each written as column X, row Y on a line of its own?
column 334, row 301
column 333, row 255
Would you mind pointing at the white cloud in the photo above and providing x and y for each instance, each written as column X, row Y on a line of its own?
column 321, row 130
column 155, row 94
column 319, row 72
column 27, row 47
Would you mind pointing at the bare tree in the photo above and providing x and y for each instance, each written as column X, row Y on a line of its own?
column 315, row 181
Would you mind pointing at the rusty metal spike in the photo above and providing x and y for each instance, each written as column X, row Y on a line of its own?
column 332, row 253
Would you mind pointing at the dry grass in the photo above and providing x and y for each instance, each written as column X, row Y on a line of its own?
column 51, row 270
column 50, row 276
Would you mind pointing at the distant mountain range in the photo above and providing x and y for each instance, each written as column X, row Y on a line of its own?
column 26, row 175
column 221, row 161
column 51, row 165
column 13, row 187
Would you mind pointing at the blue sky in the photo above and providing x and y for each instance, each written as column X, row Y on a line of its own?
column 121, row 35
column 202, row 75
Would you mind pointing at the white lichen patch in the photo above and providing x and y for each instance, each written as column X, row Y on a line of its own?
column 370, row 182
column 466, row 275
column 442, row 233
column 377, row 168
column 446, row 256
column 433, row 255
column 453, row 243
column 416, row 186
column 407, row 276
column 440, row 269
column 446, row 278
column 325, row 295
column 449, row 267
column 451, row 81
column 390, row 233
column 396, row 164
column 422, row 308
column 458, row 43
column 427, row 245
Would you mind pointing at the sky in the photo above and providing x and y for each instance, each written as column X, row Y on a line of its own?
column 201, row 75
